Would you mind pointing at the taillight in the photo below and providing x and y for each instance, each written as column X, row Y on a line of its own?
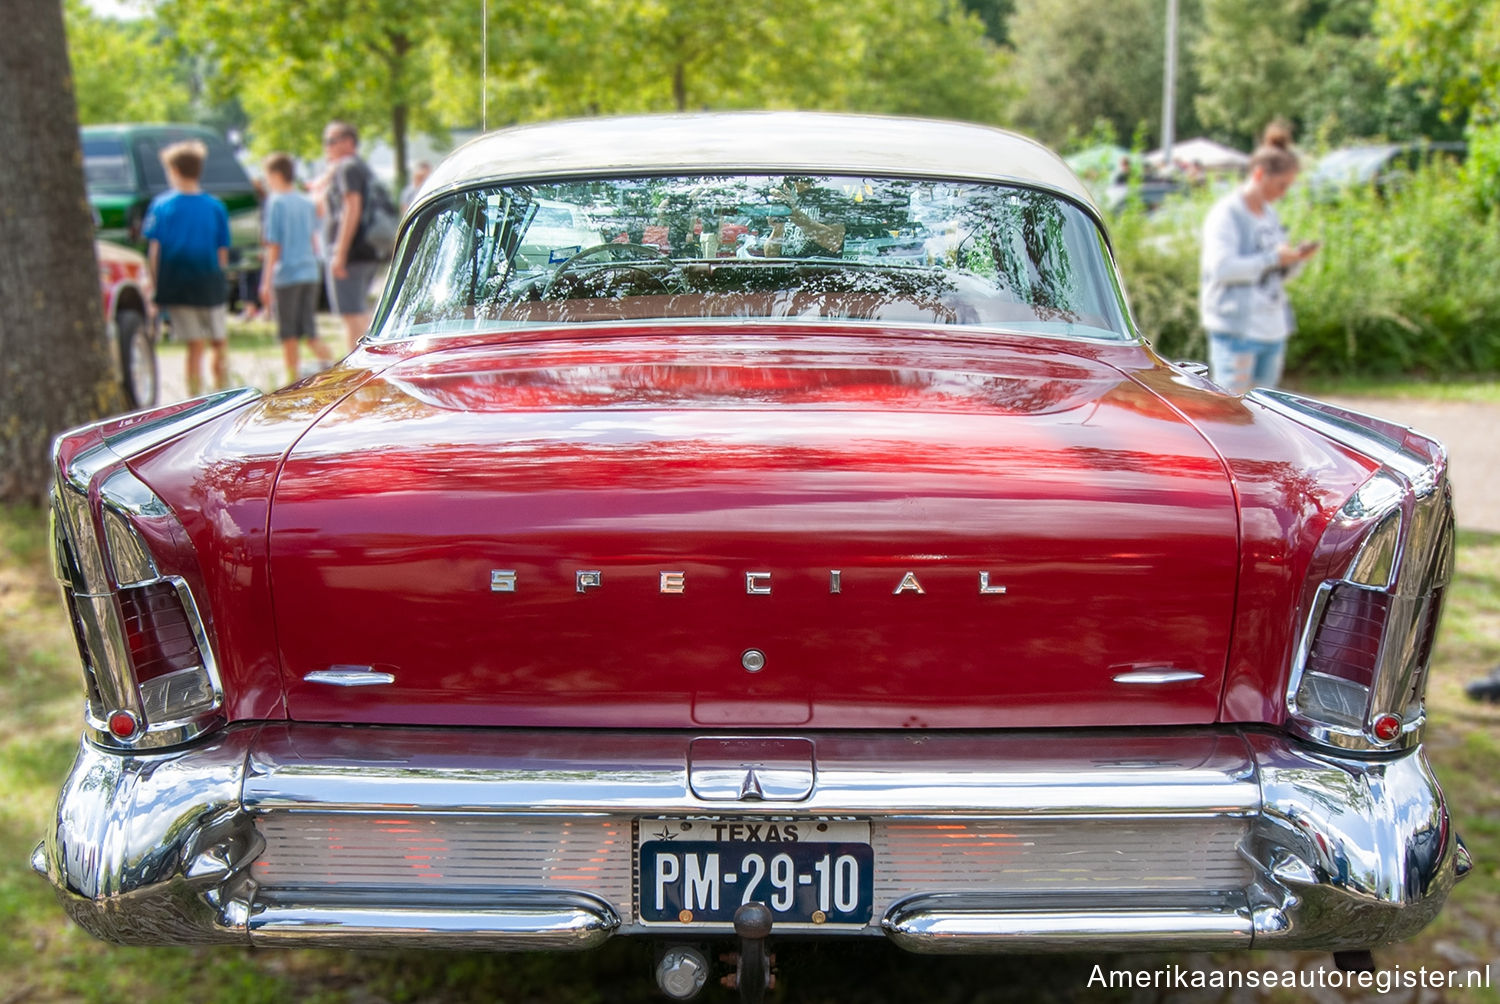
column 164, row 652
column 1344, row 655
column 149, row 672
column 1362, row 669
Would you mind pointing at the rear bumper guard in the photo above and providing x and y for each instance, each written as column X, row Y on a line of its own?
column 1199, row 839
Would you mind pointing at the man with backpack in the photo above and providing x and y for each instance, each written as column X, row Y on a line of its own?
column 351, row 197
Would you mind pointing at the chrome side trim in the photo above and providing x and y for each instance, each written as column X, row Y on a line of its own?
column 350, row 676
column 1150, row 677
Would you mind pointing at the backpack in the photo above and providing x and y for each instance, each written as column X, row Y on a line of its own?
column 378, row 219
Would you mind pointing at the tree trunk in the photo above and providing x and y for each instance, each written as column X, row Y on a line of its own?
column 398, row 144
column 56, row 370
column 400, row 46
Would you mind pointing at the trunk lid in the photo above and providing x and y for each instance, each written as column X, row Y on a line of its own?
column 910, row 534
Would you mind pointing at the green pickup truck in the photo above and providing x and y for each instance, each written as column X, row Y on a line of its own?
column 122, row 165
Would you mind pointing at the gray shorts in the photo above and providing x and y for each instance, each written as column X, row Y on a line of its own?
column 351, row 294
column 198, row 324
column 297, row 311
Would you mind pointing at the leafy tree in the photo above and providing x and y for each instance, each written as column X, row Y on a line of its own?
column 55, row 370
column 921, row 57
column 1085, row 60
column 121, row 70
column 928, row 58
column 1314, row 62
column 293, row 66
column 1446, row 47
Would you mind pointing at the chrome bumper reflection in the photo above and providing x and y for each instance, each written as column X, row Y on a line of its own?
column 311, row 835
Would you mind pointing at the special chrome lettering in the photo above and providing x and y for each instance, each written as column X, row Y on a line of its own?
column 909, row 584
column 985, row 589
column 757, row 583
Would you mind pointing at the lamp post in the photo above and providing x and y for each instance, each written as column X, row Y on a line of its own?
column 1169, row 89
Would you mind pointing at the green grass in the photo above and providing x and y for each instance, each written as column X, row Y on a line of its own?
column 44, row 958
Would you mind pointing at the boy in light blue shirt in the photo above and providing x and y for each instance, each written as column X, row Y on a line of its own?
column 290, row 273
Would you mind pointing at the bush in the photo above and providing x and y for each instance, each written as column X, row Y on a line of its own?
column 1403, row 284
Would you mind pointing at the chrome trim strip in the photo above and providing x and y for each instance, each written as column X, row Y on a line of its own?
column 303, row 766
column 129, row 559
column 1156, row 677
column 520, row 921
column 99, row 623
column 958, row 924
column 350, row 676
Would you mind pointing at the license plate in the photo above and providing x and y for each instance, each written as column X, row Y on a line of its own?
column 807, row 871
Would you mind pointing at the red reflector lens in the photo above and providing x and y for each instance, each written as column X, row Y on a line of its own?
column 156, row 626
column 1386, row 728
column 1348, row 640
column 123, row 724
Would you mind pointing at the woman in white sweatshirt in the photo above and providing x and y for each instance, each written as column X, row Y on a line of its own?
column 1246, row 258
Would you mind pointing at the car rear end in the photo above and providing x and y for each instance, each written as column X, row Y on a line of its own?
column 976, row 635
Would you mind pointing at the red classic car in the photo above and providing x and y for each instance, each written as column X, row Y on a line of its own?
column 811, row 592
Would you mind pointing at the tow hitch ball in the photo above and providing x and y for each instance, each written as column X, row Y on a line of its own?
column 752, row 974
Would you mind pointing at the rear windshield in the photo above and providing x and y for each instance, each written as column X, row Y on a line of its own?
column 750, row 247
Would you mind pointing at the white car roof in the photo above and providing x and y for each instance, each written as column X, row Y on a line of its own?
column 756, row 142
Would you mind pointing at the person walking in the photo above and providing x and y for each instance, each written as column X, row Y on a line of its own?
column 352, row 261
column 1245, row 263
column 187, row 231
column 289, row 274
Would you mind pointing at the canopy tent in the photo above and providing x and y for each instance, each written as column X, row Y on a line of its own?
column 1212, row 156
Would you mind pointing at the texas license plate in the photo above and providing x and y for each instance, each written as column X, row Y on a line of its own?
column 808, row 871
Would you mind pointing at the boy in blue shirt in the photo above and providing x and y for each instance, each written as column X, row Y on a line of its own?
column 290, row 272
column 188, row 230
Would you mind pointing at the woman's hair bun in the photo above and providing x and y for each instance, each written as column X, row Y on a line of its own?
column 1278, row 134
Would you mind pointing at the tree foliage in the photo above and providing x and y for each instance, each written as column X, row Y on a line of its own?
column 1313, row 62
column 380, row 64
column 1446, row 47
column 1085, row 60
column 396, row 67
column 122, row 72
column 927, row 57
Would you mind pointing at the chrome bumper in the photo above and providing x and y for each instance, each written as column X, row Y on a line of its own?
column 325, row 835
